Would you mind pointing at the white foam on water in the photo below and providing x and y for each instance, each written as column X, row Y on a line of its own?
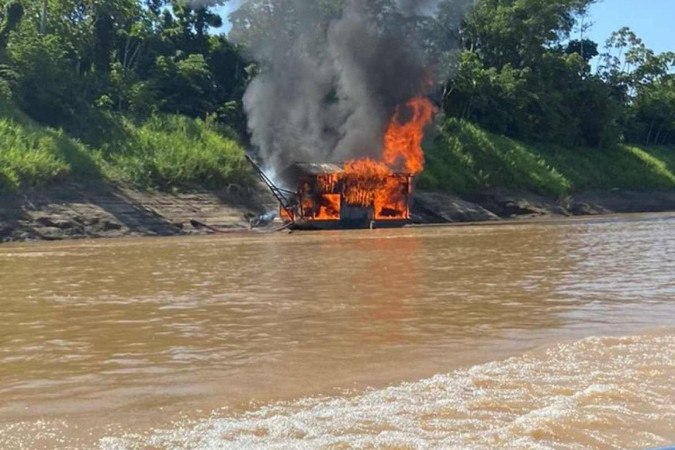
column 600, row 392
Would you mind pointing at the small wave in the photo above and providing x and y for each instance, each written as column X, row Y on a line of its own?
column 595, row 393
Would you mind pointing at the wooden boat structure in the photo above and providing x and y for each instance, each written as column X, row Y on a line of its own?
column 326, row 197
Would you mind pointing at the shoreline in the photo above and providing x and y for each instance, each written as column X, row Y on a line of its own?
column 76, row 211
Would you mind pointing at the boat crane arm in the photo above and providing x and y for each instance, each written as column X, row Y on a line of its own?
column 286, row 198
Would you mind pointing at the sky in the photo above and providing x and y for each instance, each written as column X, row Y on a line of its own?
column 652, row 20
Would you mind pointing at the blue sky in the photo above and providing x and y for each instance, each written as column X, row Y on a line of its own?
column 652, row 20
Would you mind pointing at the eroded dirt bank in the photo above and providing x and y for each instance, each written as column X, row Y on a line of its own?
column 502, row 204
column 73, row 211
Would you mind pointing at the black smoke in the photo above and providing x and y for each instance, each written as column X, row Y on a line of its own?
column 328, row 82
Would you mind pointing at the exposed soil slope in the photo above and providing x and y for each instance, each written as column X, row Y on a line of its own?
column 72, row 211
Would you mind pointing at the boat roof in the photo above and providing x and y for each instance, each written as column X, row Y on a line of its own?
column 307, row 168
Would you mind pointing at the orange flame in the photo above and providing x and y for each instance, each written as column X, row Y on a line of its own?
column 391, row 199
column 329, row 207
column 384, row 185
column 368, row 182
column 362, row 178
column 403, row 141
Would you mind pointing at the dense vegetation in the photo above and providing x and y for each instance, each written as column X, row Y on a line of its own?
column 162, row 151
column 118, row 89
column 149, row 92
column 464, row 158
column 525, row 71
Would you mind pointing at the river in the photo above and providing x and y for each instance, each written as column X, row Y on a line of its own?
column 556, row 334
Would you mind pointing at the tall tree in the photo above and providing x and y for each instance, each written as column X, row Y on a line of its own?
column 521, row 75
column 644, row 82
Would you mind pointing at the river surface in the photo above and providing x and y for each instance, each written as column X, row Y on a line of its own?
column 543, row 335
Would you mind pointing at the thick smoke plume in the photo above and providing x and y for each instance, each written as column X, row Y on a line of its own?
column 329, row 82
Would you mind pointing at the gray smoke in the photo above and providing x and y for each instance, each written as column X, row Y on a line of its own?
column 329, row 82
column 417, row 7
column 375, row 72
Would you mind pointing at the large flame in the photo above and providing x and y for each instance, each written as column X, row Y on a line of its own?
column 402, row 148
column 362, row 178
column 384, row 185
column 403, row 141
column 369, row 182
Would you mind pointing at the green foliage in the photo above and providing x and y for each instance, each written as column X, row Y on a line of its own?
column 168, row 151
column 184, row 86
column 520, row 75
column 516, row 32
column 644, row 81
column 13, row 14
column 162, row 152
column 108, row 75
column 464, row 158
column 651, row 117
column 46, row 85
column 29, row 155
column 130, row 56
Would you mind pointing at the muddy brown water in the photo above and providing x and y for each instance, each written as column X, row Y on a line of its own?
column 543, row 335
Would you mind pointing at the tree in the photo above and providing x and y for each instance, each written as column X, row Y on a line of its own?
column 519, row 32
column 651, row 116
column 644, row 82
column 521, row 75
column 184, row 85
column 125, row 56
column 46, row 81
column 10, row 20
column 13, row 14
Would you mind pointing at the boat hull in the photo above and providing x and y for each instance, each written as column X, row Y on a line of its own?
column 346, row 224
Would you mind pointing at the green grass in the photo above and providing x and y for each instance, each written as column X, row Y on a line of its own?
column 463, row 158
column 161, row 152
column 171, row 151
column 174, row 151
column 29, row 155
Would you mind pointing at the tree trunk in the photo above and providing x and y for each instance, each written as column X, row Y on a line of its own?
column 649, row 133
column 43, row 18
column 658, row 135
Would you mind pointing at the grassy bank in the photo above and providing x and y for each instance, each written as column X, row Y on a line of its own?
column 463, row 158
column 30, row 154
column 168, row 151
column 163, row 151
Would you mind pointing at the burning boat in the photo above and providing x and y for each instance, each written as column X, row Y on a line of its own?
column 361, row 193
column 337, row 108
column 355, row 195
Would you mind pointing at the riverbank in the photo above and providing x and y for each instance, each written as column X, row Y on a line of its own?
column 462, row 158
column 75, row 211
column 113, row 176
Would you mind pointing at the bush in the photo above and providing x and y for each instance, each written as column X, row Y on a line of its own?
column 28, row 157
